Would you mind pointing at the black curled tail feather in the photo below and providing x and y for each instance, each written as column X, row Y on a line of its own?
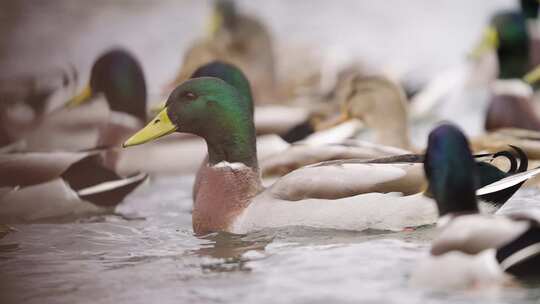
column 523, row 159
column 488, row 175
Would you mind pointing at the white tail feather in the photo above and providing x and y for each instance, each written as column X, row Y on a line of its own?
column 508, row 182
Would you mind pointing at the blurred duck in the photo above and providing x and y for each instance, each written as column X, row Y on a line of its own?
column 472, row 250
column 239, row 39
column 231, row 198
column 26, row 100
column 376, row 102
column 246, row 43
column 118, row 89
column 512, row 118
column 55, row 185
column 61, row 186
column 509, row 48
column 512, row 35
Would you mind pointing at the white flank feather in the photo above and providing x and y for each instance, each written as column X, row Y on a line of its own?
column 365, row 211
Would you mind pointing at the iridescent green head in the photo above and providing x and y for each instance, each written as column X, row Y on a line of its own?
column 451, row 170
column 117, row 75
column 231, row 75
column 213, row 109
column 513, row 44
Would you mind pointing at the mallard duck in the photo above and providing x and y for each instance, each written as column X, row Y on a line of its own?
column 117, row 76
column 59, row 186
column 510, row 35
column 239, row 39
column 231, row 197
column 472, row 249
column 506, row 52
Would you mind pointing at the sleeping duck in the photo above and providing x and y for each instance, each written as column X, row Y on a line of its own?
column 231, row 197
column 61, row 186
column 239, row 39
column 472, row 249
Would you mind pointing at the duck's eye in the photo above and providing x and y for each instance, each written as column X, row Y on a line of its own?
column 190, row 95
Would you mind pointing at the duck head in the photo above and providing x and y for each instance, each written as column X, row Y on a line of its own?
column 119, row 77
column 508, row 36
column 210, row 108
column 451, row 171
column 380, row 104
column 226, row 72
column 231, row 75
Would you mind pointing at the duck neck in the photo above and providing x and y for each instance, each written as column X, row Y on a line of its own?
column 234, row 143
column 224, row 189
column 513, row 65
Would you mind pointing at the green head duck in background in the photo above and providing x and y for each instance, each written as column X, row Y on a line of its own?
column 117, row 82
column 118, row 76
column 513, row 35
column 510, row 35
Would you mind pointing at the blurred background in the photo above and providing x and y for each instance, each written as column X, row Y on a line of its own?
column 416, row 37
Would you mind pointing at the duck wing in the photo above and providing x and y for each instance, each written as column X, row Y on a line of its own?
column 340, row 179
column 299, row 155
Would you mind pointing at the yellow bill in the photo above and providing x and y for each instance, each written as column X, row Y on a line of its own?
column 84, row 96
column 214, row 23
column 533, row 76
column 490, row 41
column 160, row 126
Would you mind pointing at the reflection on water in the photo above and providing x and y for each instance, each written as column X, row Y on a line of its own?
column 159, row 258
